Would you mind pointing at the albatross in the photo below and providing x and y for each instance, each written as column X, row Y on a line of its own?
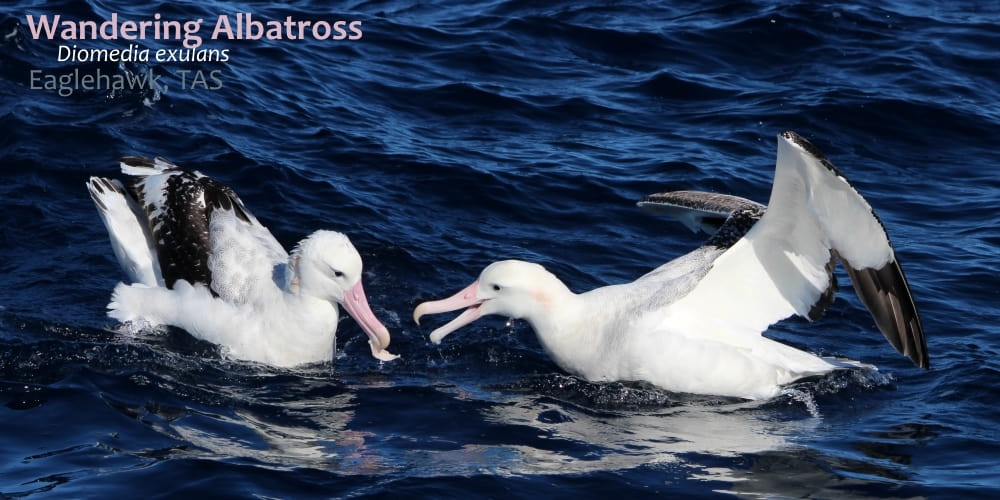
column 695, row 324
column 197, row 259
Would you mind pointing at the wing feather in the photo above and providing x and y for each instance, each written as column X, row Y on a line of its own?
column 697, row 210
column 126, row 225
column 782, row 265
column 244, row 256
column 203, row 232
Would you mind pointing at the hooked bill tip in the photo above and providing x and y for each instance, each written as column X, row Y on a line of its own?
column 381, row 354
column 418, row 312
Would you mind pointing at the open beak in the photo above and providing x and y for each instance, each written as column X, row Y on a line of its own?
column 466, row 298
column 356, row 304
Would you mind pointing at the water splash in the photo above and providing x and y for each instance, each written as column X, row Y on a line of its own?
column 806, row 398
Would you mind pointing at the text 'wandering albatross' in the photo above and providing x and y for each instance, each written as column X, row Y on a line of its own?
column 694, row 324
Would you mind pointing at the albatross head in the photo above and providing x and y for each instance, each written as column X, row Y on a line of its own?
column 327, row 266
column 512, row 288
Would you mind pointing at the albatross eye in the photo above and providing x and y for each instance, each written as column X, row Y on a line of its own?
column 337, row 273
column 496, row 288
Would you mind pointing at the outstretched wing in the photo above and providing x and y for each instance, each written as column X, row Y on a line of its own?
column 782, row 265
column 697, row 210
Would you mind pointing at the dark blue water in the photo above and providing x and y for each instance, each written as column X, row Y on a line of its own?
column 455, row 134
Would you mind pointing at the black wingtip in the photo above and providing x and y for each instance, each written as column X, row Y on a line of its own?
column 98, row 186
column 95, row 189
column 886, row 295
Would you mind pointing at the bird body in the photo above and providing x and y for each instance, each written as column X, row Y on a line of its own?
column 197, row 259
column 694, row 324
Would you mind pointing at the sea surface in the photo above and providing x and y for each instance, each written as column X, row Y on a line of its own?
column 454, row 134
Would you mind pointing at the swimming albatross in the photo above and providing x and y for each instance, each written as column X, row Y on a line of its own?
column 199, row 260
column 694, row 324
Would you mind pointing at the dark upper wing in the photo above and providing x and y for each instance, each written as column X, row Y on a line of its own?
column 178, row 205
column 696, row 209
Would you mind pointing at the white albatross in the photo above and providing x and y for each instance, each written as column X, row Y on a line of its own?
column 197, row 259
column 694, row 324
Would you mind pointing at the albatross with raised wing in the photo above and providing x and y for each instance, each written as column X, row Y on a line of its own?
column 199, row 260
column 695, row 323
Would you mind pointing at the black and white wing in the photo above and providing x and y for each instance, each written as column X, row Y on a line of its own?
column 782, row 264
column 126, row 224
column 698, row 210
column 201, row 230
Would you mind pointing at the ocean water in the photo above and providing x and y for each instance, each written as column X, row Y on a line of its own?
column 451, row 135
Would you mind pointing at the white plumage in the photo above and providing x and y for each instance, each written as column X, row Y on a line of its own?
column 694, row 324
column 197, row 259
